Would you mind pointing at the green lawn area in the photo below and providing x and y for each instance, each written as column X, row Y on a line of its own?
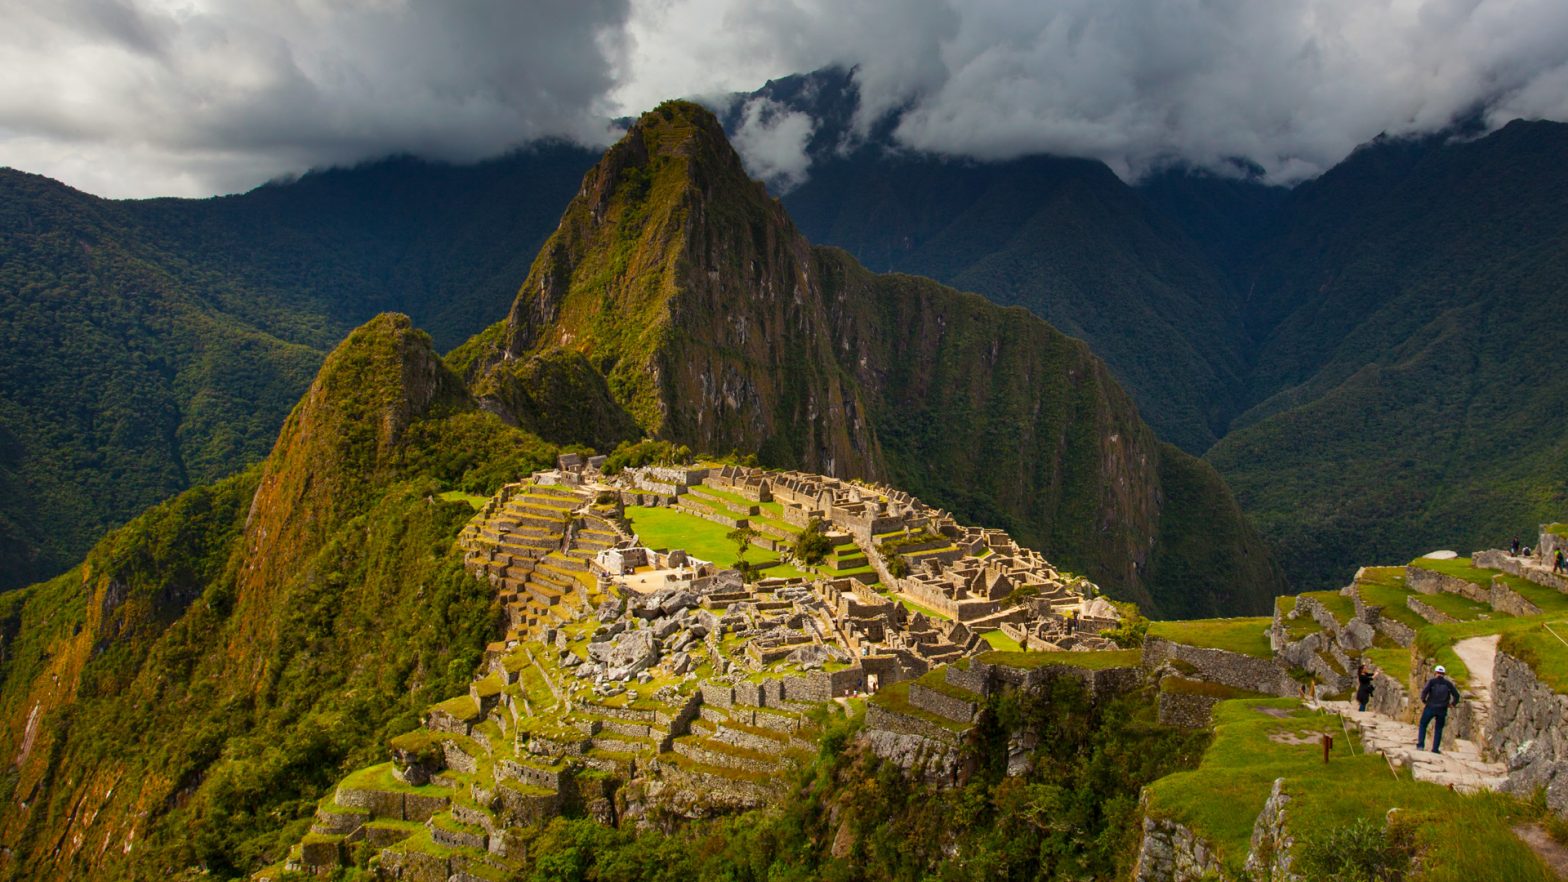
column 1390, row 595
column 1557, row 529
column 735, row 500
column 1094, row 661
column 1461, row 608
column 1459, row 567
column 1462, row 837
column 472, row 499
column 1248, row 636
column 1550, row 600
column 664, row 529
column 896, row 699
column 1394, row 661
column 1341, row 607
column 1543, row 652
column 1000, row 641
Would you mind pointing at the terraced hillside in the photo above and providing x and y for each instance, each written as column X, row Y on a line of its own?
column 638, row 682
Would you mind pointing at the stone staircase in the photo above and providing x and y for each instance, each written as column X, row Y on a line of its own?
column 1462, row 763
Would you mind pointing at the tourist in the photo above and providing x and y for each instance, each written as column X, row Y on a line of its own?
column 1438, row 695
column 1516, row 546
column 1557, row 561
column 1363, row 686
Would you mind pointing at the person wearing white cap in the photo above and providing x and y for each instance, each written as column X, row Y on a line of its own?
column 1438, row 695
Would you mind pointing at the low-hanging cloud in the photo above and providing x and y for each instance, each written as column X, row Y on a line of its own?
column 1291, row 87
column 144, row 97
column 771, row 139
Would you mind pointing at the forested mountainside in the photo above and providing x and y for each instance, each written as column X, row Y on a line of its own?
column 215, row 663
column 1410, row 310
column 154, row 345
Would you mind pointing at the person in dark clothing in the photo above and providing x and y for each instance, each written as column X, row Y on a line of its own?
column 1516, row 546
column 1438, row 695
column 1557, row 561
column 1363, row 686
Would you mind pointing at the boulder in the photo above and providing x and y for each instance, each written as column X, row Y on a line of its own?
column 631, row 654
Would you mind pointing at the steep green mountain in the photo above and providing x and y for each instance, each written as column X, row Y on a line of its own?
column 153, row 345
column 121, row 381
column 1410, row 314
column 1064, row 238
column 215, row 663
column 688, row 307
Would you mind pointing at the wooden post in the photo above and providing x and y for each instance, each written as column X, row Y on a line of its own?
column 1328, row 745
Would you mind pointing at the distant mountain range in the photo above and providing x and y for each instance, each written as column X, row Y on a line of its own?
column 1368, row 358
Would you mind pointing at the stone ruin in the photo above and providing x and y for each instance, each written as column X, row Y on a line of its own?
column 634, row 681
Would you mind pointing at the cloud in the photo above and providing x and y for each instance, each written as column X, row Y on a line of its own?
column 136, row 97
column 771, row 139
column 1292, row 87
column 144, row 97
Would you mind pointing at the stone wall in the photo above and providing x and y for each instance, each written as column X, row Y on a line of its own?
column 1428, row 612
column 1528, row 730
column 1268, row 857
column 1390, row 698
column 1432, row 582
column 1189, row 710
column 956, row 709
column 1222, row 667
column 1169, row 852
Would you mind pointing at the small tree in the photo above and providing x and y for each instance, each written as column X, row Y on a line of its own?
column 742, row 537
column 812, row 546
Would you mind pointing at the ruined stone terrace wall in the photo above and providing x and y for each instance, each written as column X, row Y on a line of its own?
column 1525, row 713
column 1170, row 852
column 1432, row 582
column 1223, row 667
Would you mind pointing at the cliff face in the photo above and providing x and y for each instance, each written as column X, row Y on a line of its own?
column 714, row 323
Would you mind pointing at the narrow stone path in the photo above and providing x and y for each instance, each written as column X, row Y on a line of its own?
column 1461, row 764
column 1479, row 655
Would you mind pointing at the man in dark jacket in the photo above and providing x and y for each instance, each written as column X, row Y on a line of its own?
column 1438, row 695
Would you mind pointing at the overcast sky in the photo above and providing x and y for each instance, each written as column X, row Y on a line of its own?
column 194, row 97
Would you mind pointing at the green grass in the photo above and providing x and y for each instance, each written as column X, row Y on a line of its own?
column 936, row 680
column 1545, row 654
column 1459, row 567
column 914, row 607
column 1001, row 642
column 380, row 777
column 665, row 529
column 1341, row 607
column 895, row 698
column 1550, row 600
column 1248, row 636
column 735, row 500
column 1395, row 662
column 1462, row 608
column 473, row 499
column 1296, row 628
column 1390, row 595
column 1094, row 661
column 1557, row 529
column 1463, row 837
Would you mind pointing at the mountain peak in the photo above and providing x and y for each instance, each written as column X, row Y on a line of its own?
column 668, row 206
